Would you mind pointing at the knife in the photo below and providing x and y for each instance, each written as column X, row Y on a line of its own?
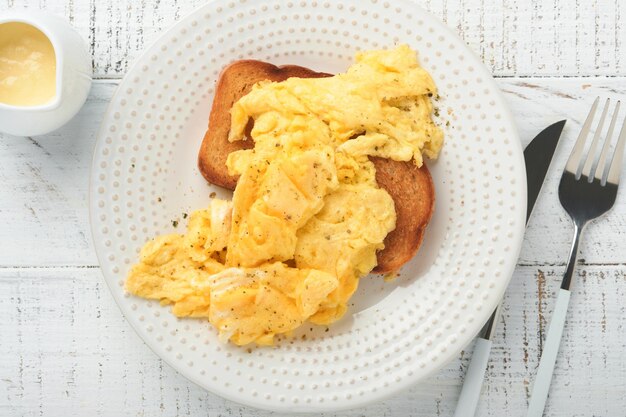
column 537, row 155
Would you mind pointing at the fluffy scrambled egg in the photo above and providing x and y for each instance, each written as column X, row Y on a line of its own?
column 307, row 215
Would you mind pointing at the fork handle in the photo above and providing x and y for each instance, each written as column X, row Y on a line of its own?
column 548, row 356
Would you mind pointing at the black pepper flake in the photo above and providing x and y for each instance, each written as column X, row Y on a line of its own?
column 159, row 199
column 212, row 195
column 184, row 215
column 175, row 223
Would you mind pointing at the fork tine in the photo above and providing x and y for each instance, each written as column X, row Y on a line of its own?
column 591, row 154
column 616, row 163
column 599, row 173
column 574, row 159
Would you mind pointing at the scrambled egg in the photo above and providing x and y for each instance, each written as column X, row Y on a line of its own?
column 307, row 215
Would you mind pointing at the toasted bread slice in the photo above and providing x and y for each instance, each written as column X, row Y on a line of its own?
column 410, row 187
column 413, row 194
column 235, row 81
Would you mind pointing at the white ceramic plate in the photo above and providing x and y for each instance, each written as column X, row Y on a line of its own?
column 144, row 176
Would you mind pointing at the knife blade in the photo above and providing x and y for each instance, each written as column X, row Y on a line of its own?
column 537, row 157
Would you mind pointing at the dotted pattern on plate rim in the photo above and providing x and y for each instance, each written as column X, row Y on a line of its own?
column 406, row 336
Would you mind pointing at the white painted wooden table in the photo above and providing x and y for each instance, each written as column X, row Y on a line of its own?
column 65, row 349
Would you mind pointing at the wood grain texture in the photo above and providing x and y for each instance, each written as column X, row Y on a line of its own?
column 45, row 180
column 67, row 351
column 514, row 38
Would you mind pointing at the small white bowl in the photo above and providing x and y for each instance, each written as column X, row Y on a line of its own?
column 73, row 78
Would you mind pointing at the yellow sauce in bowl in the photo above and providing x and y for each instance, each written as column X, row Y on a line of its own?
column 27, row 65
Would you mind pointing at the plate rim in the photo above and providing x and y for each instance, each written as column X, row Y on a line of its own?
column 378, row 396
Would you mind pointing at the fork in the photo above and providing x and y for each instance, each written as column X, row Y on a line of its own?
column 586, row 192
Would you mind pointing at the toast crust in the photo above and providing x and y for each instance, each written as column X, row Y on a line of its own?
column 410, row 187
column 413, row 194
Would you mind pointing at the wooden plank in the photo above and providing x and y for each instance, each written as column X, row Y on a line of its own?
column 594, row 336
column 550, row 38
column 536, row 103
column 43, row 197
column 66, row 350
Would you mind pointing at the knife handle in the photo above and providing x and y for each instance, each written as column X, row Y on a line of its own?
column 470, row 392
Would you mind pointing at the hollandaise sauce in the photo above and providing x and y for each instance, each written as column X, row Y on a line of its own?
column 27, row 65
